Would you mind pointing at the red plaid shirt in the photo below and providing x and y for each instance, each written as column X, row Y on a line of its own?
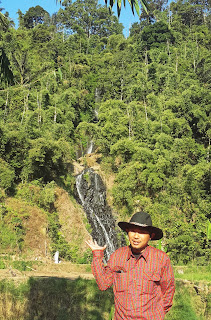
column 143, row 288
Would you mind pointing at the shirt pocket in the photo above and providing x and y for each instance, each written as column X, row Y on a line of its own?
column 150, row 282
column 120, row 281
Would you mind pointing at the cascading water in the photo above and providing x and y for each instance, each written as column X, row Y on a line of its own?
column 92, row 194
column 90, row 147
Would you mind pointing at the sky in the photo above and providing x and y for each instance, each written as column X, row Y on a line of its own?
column 12, row 6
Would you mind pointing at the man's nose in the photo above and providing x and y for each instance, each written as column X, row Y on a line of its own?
column 136, row 235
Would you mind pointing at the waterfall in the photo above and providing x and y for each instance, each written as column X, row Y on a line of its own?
column 90, row 147
column 97, row 95
column 92, row 195
column 79, row 187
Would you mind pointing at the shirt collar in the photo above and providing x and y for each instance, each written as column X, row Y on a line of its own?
column 144, row 254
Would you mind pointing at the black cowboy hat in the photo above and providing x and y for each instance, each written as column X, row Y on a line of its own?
column 143, row 220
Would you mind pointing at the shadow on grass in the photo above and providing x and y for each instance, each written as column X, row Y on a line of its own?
column 187, row 305
column 64, row 299
column 50, row 298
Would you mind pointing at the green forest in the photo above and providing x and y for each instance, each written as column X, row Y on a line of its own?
column 73, row 77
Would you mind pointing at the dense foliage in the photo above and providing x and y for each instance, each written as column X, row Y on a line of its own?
column 144, row 101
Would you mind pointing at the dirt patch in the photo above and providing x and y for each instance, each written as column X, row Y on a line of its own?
column 35, row 224
column 72, row 219
column 62, row 270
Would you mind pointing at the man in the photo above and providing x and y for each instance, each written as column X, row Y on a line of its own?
column 141, row 275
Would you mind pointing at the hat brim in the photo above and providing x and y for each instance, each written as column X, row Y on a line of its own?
column 157, row 231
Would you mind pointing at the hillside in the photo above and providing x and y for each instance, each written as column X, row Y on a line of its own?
column 29, row 219
column 140, row 104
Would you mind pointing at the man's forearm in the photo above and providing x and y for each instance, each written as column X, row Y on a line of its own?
column 168, row 286
column 102, row 274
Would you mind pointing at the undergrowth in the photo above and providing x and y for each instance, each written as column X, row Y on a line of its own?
column 80, row 299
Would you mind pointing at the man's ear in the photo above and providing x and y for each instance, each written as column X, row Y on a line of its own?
column 152, row 235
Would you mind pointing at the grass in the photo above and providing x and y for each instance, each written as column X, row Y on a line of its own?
column 187, row 304
column 52, row 298
column 193, row 273
column 80, row 299
column 21, row 265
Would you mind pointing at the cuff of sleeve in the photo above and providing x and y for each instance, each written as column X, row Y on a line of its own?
column 98, row 253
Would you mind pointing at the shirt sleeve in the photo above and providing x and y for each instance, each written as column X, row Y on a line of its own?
column 167, row 285
column 103, row 274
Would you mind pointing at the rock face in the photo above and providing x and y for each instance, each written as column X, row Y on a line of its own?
column 91, row 193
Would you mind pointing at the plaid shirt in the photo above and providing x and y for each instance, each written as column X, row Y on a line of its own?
column 143, row 288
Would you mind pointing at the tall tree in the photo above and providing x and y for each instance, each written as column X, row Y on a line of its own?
column 134, row 4
column 6, row 75
column 34, row 16
column 86, row 16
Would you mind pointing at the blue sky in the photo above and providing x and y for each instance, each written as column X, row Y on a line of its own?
column 12, row 6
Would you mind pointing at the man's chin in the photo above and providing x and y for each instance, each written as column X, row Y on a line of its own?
column 136, row 249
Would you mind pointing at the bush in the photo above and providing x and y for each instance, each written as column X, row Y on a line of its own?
column 2, row 265
column 35, row 193
column 22, row 265
column 7, row 175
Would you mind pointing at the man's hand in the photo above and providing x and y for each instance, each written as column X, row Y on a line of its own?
column 94, row 246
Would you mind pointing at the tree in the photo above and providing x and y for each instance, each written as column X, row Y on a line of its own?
column 6, row 75
column 156, row 35
column 34, row 16
column 19, row 51
column 13, row 151
column 86, row 17
column 190, row 12
column 134, row 4
column 7, row 175
column 154, row 13
column 47, row 160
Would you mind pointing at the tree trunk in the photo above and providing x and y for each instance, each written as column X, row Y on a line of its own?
column 5, row 108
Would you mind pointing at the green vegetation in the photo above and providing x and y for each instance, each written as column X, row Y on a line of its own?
column 7, row 262
column 54, row 298
column 72, row 78
column 61, row 299
column 185, row 307
column 193, row 273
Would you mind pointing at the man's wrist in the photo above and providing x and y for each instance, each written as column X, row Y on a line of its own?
column 98, row 253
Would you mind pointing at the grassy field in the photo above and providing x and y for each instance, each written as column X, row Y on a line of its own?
column 193, row 273
column 54, row 296
column 63, row 299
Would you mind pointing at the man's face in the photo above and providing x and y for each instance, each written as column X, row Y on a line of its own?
column 138, row 238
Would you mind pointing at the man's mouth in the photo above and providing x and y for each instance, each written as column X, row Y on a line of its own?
column 135, row 243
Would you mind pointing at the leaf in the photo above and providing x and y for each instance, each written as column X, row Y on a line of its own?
column 111, row 313
column 112, row 2
column 111, row 5
column 209, row 231
column 3, row 21
column 131, row 5
column 136, row 5
column 118, row 10
column 60, row 73
column 144, row 5
column 119, row 3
